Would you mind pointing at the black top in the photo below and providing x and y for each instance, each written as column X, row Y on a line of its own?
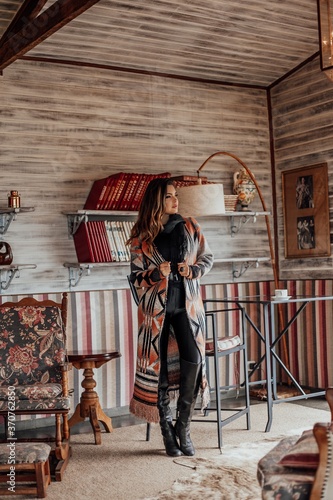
column 171, row 243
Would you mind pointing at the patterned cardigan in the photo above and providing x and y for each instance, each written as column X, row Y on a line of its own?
column 152, row 291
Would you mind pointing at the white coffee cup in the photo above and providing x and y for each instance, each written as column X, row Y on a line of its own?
column 281, row 293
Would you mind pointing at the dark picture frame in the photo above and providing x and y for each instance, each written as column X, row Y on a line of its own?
column 306, row 212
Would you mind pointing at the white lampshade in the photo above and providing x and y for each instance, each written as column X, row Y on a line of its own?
column 201, row 199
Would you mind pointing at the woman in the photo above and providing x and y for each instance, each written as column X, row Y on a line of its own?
column 169, row 255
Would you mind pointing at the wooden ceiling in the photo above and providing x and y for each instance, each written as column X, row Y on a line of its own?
column 253, row 43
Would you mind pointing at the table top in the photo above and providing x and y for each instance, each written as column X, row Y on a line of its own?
column 265, row 299
column 92, row 355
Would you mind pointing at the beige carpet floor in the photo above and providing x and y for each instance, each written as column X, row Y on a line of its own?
column 127, row 467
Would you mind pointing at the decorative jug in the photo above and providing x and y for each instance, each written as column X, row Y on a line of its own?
column 244, row 188
column 6, row 256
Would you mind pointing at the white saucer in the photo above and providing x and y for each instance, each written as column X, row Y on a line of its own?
column 274, row 297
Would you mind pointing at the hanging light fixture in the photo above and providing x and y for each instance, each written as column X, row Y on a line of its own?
column 325, row 27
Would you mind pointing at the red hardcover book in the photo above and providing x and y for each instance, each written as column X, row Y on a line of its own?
column 97, row 247
column 148, row 178
column 95, row 241
column 110, row 190
column 96, row 194
column 120, row 192
column 104, row 241
column 83, row 246
column 125, row 203
column 138, row 192
column 117, row 182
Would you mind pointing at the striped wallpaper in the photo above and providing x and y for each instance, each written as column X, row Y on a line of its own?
column 107, row 319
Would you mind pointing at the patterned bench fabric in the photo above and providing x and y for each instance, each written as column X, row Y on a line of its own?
column 25, row 453
column 278, row 481
column 60, row 403
column 32, row 353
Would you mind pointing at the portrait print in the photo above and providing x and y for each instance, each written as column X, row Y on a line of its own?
column 306, row 212
column 304, row 192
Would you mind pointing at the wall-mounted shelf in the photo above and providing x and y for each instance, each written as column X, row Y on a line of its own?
column 74, row 219
column 7, row 215
column 77, row 269
column 7, row 273
column 243, row 264
column 239, row 219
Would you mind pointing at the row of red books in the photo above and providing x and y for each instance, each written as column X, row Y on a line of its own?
column 103, row 241
column 122, row 191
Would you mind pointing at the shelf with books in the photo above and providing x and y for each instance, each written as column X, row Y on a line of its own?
column 100, row 236
column 74, row 219
column 120, row 191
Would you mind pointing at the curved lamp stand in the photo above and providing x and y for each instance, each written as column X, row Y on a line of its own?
column 269, row 234
column 253, row 179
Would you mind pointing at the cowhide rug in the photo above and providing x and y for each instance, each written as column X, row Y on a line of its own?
column 230, row 476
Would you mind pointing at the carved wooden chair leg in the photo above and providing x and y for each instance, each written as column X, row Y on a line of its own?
column 58, row 436
column 65, row 427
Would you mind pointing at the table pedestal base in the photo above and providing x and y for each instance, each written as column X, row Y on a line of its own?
column 89, row 406
column 95, row 414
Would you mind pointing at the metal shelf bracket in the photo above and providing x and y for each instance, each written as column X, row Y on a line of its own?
column 8, row 273
column 5, row 221
column 7, row 276
column 77, row 273
column 243, row 267
column 235, row 227
column 74, row 222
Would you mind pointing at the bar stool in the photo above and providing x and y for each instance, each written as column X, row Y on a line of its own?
column 219, row 347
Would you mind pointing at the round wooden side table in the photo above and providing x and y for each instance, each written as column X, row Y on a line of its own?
column 89, row 406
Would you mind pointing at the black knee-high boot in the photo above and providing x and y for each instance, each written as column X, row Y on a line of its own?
column 189, row 386
column 167, row 429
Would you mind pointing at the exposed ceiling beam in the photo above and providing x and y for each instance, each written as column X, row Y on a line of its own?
column 27, row 12
column 30, row 28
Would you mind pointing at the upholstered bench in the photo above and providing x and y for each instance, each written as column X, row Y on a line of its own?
column 282, row 480
column 300, row 466
column 24, row 468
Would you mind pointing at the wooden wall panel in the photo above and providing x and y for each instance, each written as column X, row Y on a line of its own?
column 303, row 136
column 63, row 127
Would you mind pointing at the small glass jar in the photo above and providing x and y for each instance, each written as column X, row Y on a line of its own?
column 14, row 200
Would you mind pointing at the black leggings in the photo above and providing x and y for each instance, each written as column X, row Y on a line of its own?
column 188, row 349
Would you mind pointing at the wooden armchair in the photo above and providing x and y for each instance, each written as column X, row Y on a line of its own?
column 33, row 368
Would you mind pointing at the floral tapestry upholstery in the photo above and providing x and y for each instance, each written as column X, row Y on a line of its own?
column 32, row 356
column 26, row 453
column 279, row 482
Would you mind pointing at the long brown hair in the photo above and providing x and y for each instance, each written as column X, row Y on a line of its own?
column 152, row 207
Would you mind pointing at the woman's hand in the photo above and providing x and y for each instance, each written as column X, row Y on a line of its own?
column 183, row 269
column 165, row 268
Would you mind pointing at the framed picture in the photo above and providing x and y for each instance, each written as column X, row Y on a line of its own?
column 306, row 212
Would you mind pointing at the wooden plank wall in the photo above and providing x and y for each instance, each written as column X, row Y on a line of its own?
column 63, row 127
column 303, row 136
